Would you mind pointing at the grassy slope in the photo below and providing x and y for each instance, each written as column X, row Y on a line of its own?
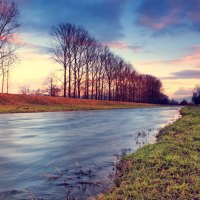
column 168, row 169
column 13, row 103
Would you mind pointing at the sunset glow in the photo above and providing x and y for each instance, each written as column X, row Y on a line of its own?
column 160, row 38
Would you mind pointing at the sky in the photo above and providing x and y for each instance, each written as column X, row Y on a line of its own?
column 158, row 37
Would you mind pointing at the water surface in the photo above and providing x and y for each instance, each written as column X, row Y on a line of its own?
column 71, row 155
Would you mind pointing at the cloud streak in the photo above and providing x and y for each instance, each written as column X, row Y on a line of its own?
column 184, row 74
column 165, row 16
column 121, row 45
column 183, row 91
column 192, row 58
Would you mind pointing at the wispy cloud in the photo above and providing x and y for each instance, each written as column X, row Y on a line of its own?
column 185, row 74
column 137, row 48
column 191, row 58
column 121, row 45
column 183, row 91
column 165, row 16
column 28, row 45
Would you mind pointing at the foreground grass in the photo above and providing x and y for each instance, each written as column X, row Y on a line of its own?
column 168, row 169
column 14, row 103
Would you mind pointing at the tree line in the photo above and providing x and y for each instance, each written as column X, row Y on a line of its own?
column 92, row 71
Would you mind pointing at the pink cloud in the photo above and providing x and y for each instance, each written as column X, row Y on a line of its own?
column 13, row 38
column 165, row 16
column 121, row 45
column 116, row 45
column 190, row 59
column 184, row 91
column 157, row 24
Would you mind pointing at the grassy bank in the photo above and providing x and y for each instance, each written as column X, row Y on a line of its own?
column 14, row 103
column 168, row 169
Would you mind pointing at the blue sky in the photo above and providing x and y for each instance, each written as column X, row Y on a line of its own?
column 159, row 37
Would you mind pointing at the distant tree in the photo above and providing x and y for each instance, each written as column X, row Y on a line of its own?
column 37, row 92
column 173, row 102
column 184, row 102
column 163, row 99
column 25, row 89
column 50, row 86
column 196, row 95
column 153, row 87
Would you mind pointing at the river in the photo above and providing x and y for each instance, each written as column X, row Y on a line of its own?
column 71, row 155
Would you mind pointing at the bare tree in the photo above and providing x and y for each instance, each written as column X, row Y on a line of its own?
column 8, row 26
column 25, row 89
column 80, row 45
column 63, row 36
column 50, row 86
column 95, row 72
column 6, row 64
column 109, row 69
column 91, row 59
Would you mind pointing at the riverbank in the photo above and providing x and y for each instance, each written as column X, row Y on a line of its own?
column 168, row 169
column 16, row 103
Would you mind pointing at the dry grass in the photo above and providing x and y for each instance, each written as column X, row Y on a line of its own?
column 11, row 103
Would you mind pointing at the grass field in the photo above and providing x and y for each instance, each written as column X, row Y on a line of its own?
column 15, row 103
column 168, row 169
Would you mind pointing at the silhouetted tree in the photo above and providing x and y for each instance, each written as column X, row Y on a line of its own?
column 196, row 95
column 63, row 36
column 163, row 99
column 184, row 102
column 174, row 102
column 95, row 72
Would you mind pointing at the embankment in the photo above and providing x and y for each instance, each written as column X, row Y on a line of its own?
column 16, row 103
column 168, row 169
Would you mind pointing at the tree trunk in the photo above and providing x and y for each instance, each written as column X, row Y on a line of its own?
column 69, row 86
column 109, row 90
column 7, row 82
column 2, row 87
column 65, row 80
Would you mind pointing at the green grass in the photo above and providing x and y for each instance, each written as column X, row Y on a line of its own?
column 168, row 169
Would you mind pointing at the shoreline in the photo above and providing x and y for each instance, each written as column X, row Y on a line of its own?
column 168, row 168
column 15, row 103
column 37, row 109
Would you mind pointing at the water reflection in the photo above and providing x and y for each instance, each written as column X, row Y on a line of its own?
column 66, row 155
